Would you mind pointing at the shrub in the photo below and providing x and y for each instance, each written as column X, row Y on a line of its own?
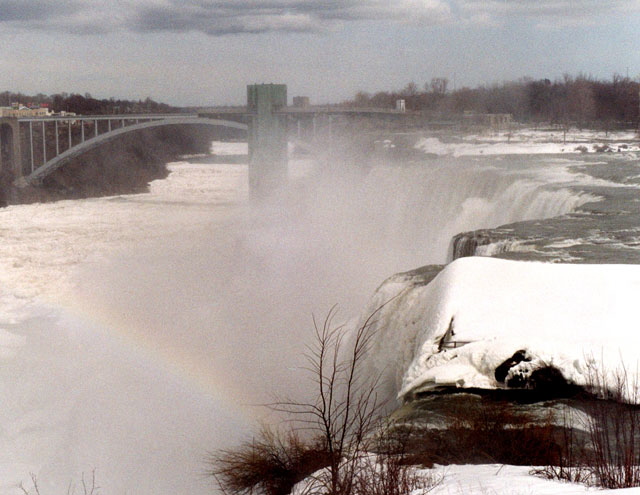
column 384, row 469
column 570, row 463
column 497, row 433
column 613, row 425
column 611, row 456
column 391, row 471
column 269, row 464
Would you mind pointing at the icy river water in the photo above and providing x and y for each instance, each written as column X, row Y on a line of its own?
column 138, row 333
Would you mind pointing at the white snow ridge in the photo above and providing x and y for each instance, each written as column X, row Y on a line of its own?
column 479, row 312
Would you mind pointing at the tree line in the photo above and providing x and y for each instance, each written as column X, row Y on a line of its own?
column 86, row 104
column 581, row 100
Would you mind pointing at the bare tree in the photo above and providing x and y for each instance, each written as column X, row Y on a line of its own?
column 89, row 486
column 342, row 426
column 438, row 85
column 346, row 408
column 411, row 89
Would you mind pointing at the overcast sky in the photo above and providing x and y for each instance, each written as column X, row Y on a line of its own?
column 205, row 52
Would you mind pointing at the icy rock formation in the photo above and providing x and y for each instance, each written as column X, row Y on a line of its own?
column 557, row 323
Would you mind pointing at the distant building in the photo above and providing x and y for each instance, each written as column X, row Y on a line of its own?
column 401, row 106
column 19, row 110
column 40, row 112
column 301, row 102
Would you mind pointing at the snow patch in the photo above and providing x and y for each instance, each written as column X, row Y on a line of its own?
column 529, row 141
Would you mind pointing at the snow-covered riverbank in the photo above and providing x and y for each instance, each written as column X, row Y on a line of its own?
column 531, row 141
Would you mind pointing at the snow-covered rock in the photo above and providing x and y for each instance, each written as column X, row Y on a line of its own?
column 479, row 313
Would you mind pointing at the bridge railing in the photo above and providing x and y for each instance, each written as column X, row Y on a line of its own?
column 128, row 116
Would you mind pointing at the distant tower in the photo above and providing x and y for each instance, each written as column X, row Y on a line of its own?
column 267, row 137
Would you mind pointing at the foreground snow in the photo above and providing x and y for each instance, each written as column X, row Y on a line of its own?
column 496, row 479
column 478, row 312
column 481, row 479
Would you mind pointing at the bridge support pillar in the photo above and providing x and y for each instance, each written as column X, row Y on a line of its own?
column 267, row 138
column 10, row 155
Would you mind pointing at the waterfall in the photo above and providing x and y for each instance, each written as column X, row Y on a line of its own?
column 408, row 215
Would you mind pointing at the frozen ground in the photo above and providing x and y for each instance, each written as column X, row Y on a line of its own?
column 530, row 141
column 495, row 479
column 491, row 479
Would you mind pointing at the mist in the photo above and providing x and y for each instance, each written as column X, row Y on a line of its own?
column 170, row 346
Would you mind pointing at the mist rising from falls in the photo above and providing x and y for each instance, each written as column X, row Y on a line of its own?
column 236, row 297
column 397, row 218
column 189, row 327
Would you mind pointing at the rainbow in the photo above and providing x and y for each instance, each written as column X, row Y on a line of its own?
column 163, row 358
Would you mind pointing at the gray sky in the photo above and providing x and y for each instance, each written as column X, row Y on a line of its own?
column 204, row 52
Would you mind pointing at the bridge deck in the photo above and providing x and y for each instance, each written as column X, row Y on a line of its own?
column 126, row 117
column 312, row 110
column 222, row 116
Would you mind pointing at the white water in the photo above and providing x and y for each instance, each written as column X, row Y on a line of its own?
column 141, row 328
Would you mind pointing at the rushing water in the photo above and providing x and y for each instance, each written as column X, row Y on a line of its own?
column 138, row 332
column 606, row 230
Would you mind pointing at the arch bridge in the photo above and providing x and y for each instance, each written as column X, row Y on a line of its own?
column 34, row 147
column 53, row 141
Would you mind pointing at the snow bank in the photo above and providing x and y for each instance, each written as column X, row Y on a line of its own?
column 478, row 312
column 530, row 141
column 483, row 479
column 494, row 479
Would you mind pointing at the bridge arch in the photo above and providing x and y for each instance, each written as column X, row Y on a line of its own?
column 58, row 161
